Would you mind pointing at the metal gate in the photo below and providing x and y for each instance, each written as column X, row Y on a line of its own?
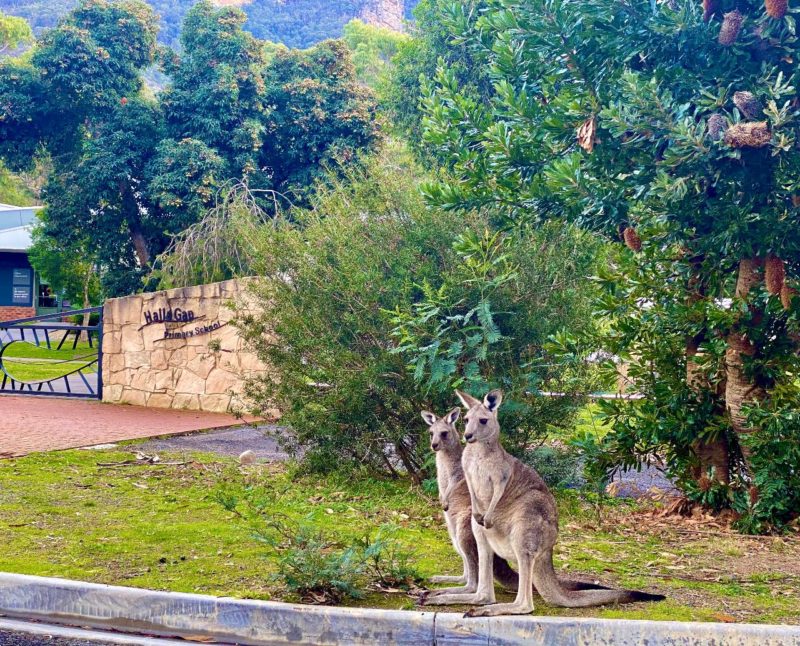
column 53, row 355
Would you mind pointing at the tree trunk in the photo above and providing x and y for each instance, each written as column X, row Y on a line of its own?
column 740, row 389
column 130, row 208
column 713, row 453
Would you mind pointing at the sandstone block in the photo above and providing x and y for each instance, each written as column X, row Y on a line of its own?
column 189, row 383
column 186, row 402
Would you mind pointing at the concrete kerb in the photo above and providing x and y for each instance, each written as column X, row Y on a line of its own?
column 258, row 623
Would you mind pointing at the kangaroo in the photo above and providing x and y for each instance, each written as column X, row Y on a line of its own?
column 514, row 515
column 455, row 500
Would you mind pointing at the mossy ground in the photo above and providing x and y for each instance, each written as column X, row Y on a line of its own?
column 158, row 526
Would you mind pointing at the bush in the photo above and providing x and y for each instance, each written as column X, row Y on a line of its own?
column 499, row 317
column 559, row 467
column 374, row 307
column 309, row 563
column 329, row 274
column 314, row 565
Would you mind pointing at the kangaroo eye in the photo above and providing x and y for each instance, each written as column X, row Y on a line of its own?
column 444, row 435
column 483, row 420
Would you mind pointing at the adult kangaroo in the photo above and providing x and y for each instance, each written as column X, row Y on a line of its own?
column 455, row 500
column 514, row 516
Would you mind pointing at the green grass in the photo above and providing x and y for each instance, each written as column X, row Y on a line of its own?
column 26, row 362
column 158, row 526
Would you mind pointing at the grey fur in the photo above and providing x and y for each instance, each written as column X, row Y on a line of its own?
column 455, row 500
column 514, row 516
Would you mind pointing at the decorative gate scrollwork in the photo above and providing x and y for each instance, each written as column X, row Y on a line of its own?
column 44, row 355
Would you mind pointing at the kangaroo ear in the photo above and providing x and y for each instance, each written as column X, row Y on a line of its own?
column 493, row 399
column 468, row 400
column 453, row 415
column 430, row 418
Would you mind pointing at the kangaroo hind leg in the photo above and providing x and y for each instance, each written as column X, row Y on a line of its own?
column 523, row 604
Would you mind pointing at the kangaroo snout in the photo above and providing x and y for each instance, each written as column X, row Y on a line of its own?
column 435, row 446
column 469, row 437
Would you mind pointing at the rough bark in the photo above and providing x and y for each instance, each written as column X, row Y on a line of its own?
column 740, row 389
column 131, row 209
column 714, row 453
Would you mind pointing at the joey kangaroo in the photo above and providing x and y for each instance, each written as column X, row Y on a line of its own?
column 514, row 516
column 455, row 500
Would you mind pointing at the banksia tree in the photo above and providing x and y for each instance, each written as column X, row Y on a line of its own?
column 712, row 177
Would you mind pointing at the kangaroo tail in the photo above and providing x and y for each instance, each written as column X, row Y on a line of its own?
column 553, row 592
column 509, row 579
column 504, row 575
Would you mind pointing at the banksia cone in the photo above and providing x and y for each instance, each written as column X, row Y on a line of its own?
column 776, row 8
column 748, row 104
column 731, row 24
column 709, row 7
column 717, row 125
column 774, row 275
column 755, row 134
column 787, row 294
column 632, row 239
column 795, row 201
column 586, row 134
column 754, row 496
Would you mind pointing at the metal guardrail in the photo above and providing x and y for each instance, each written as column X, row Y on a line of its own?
column 81, row 375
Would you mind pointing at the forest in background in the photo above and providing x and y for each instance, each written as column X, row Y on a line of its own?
column 294, row 23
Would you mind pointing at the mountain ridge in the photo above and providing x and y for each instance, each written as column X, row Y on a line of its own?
column 295, row 23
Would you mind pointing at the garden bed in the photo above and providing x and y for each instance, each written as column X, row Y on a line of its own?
column 104, row 516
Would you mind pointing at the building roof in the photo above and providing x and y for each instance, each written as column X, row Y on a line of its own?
column 17, row 239
column 16, row 224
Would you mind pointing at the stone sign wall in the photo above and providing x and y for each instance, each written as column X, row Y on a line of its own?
column 176, row 349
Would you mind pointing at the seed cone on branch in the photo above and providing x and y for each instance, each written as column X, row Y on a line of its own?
column 717, row 125
column 748, row 104
column 787, row 294
column 754, row 134
column 795, row 201
column 731, row 24
column 776, row 8
column 632, row 239
column 774, row 275
column 586, row 134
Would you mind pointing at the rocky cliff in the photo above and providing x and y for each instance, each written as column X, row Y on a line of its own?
column 384, row 13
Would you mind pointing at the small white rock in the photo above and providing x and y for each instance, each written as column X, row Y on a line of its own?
column 248, row 457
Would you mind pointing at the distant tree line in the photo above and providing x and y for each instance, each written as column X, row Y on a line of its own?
column 296, row 23
column 127, row 169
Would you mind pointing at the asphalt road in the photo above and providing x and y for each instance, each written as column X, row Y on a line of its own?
column 21, row 639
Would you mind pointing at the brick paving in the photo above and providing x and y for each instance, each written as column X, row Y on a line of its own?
column 33, row 424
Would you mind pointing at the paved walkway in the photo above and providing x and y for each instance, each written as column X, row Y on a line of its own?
column 30, row 424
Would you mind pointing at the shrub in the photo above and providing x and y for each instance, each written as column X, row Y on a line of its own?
column 559, row 467
column 386, row 562
column 499, row 317
column 329, row 274
column 315, row 565
column 310, row 565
